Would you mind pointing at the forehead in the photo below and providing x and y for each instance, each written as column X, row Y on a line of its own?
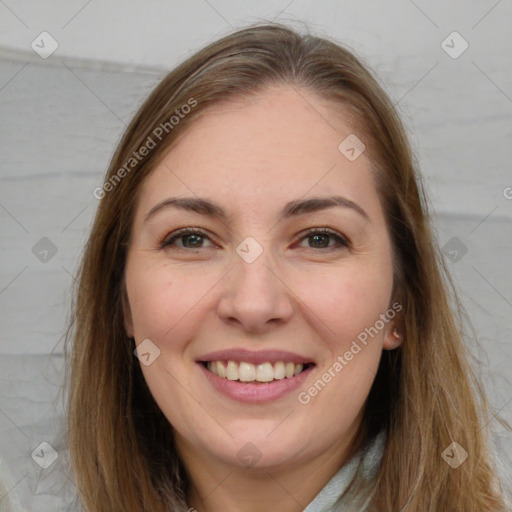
column 265, row 148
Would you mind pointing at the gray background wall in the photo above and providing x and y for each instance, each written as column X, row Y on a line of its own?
column 63, row 115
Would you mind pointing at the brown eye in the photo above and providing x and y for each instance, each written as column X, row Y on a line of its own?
column 190, row 239
column 320, row 239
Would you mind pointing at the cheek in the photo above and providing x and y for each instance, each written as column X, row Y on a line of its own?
column 349, row 309
column 347, row 300
column 158, row 298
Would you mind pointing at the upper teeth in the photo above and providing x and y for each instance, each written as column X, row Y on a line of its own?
column 248, row 372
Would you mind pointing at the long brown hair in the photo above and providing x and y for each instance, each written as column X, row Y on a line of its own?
column 425, row 394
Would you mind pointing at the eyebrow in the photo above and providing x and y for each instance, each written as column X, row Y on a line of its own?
column 291, row 209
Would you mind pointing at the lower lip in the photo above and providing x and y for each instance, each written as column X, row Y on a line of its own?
column 255, row 393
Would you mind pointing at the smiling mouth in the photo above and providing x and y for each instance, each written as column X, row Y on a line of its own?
column 255, row 373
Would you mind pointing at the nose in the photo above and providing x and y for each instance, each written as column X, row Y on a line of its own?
column 255, row 297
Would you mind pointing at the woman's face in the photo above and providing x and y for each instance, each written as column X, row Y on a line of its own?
column 251, row 293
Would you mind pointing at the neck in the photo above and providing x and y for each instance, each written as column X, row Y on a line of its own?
column 216, row 486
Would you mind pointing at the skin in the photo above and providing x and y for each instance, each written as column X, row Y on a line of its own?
column 252, row 156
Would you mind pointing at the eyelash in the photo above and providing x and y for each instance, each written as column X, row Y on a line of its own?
column 341, row 242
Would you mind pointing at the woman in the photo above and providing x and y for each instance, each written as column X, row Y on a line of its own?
column 262, row 319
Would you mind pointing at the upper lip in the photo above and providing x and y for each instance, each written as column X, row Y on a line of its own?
column 247, row 356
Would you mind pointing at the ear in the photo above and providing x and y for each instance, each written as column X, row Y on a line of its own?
column 394, row 335
column 127, row 312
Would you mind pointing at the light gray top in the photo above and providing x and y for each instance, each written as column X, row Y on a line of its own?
column 364, row 463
